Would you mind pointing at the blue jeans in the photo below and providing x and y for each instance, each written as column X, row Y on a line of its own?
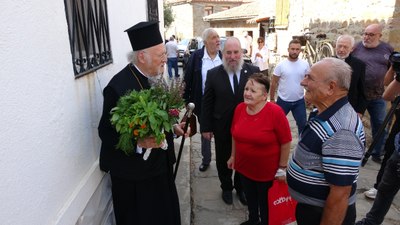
column 387, row 190
column 377, row 112
column 298, row 109
column 172, row 63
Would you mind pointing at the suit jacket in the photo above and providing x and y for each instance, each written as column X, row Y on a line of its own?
column 219, row 101
column 193, row 79
column 115, row 161
column 356, row 93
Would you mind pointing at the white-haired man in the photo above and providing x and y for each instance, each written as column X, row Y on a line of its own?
column 322, row 173
column 344, row 47
column 202, row 60
column 143, row 191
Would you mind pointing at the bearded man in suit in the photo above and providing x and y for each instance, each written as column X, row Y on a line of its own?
column 223, row 92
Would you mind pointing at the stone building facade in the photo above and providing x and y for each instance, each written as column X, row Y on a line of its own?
column 188, row 15
column 293, row 18
column 338, row 17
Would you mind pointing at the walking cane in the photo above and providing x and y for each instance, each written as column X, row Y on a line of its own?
column 189, row 114
column 380, row 131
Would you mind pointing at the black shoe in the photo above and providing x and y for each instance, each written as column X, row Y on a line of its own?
column 361, row 222
column 203, row 167
column 248, row 222
column 227, row 197
column 242, row 197
column 377, row 159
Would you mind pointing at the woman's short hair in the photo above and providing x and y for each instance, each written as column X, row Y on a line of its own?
column 262, row 79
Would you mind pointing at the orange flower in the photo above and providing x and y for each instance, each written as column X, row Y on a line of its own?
column 143, row 126
column 135, row 132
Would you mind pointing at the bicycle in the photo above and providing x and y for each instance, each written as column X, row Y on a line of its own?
column 323, row 47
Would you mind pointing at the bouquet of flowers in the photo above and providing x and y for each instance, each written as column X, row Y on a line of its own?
column 147, row 113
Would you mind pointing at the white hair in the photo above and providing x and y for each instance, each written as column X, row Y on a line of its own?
column 347, row 37
column 207, row 33
column 132, row 57
column 339, row 71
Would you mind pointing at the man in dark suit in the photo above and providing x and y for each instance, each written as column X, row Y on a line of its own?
column 202, row 60
column 356, row 95
column 143, row 191
column 223, row 91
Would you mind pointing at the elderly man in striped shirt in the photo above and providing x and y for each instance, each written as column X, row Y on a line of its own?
column 323, row 171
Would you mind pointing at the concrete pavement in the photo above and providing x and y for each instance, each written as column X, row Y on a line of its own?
column 200, row 193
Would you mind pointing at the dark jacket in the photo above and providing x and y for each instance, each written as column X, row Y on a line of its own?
column 193, row 79
column 356, row 93
column 219, row 101
column 115, row 161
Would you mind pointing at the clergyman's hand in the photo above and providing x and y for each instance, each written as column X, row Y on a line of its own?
column 178, row 129
column 149, row 142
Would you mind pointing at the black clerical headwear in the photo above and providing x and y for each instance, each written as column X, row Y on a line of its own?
column 144, row 35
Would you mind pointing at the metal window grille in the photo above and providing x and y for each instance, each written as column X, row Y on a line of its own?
column 89, row 34
column 152, row 10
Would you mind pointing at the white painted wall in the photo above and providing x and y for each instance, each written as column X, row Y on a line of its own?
column 48, row 119
column 182, row 26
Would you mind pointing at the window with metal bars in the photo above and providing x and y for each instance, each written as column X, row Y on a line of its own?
column 88, row 34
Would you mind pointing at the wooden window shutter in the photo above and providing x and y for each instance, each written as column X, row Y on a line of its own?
column 282, row 13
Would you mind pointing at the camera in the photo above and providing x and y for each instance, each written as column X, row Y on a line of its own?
column 394, row 59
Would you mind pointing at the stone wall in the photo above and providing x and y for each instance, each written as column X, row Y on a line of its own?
column 338, row 17
column 189, row 22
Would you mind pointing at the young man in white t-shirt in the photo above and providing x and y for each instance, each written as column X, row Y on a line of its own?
column 286, row 78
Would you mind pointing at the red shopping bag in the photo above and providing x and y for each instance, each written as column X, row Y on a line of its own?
column 281, row 206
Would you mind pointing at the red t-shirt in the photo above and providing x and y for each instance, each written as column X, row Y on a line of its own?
column 258, row 140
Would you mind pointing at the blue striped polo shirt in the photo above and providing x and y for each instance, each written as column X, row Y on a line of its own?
column 329, row 151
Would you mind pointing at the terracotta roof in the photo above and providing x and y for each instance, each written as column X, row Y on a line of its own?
column 249, row 11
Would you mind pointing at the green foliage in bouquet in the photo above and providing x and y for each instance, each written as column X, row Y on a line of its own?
column 146, row 113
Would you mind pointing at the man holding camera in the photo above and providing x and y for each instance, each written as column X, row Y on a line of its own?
column 390, row 183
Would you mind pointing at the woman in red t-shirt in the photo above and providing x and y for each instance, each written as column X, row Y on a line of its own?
column 261, row 140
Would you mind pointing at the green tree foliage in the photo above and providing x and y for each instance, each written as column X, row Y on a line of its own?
column 168, row 16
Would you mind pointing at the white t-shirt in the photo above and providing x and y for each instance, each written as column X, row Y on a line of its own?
column 291, row 74
column 172, row 49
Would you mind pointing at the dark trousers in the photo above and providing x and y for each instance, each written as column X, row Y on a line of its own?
column 389, row 147
column 387, row 190
column 312, row 215
column 257, row 199
column 223, row 148
column 153, row 201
